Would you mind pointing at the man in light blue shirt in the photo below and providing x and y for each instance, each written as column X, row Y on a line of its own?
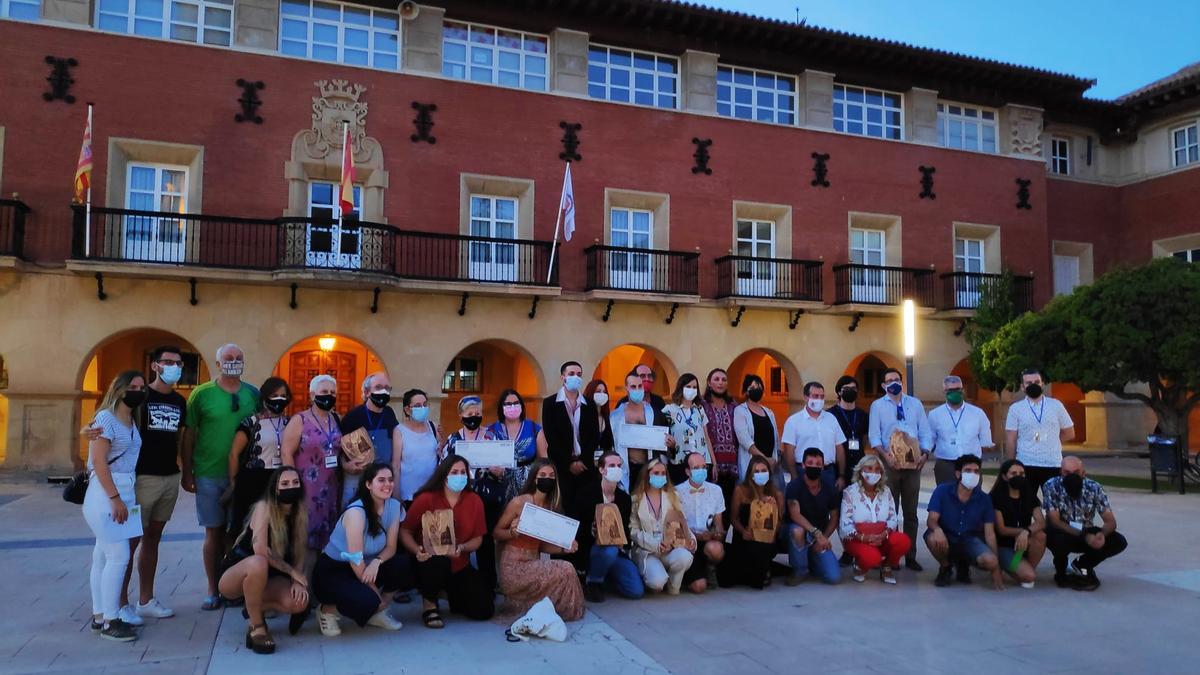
column 899, row 412
column 959, row 428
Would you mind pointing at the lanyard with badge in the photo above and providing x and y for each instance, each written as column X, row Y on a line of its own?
column 330, row 454
column 955, row 422
column 1037, row 415
column 374, row 426
column 278, row 429
column 852, row 442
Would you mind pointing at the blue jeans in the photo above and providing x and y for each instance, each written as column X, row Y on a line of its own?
column 615, row 571
column 823, row 565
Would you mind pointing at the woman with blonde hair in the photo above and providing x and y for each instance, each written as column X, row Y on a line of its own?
column 868, row 524
column 110, row 496
column 749, row 560
column 660, row 562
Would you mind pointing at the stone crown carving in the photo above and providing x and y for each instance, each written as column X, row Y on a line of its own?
column 340, row 102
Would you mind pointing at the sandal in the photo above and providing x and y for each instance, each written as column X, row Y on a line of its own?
column 432, row 619
column 211, row 603
column 260, row 643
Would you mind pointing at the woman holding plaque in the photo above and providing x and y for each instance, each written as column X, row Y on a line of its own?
column 311, row 443
column 663, row 544
column 758, row 511
column 525, row 577
column 603, row 510
column 868, row 523
column 689, row 427
column 755, row 428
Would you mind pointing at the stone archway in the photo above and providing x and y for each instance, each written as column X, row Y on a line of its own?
column 486, row 368
column 348, row 360
column 618, row 361
column 779, row 375
column 868, row 369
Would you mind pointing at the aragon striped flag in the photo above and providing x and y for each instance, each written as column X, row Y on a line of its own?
column 83, row 169
column 346, row 191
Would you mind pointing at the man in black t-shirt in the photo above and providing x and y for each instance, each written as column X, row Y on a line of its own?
column 812, row 506
column 379, row 420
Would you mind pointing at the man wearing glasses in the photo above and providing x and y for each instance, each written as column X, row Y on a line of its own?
column 214, row 411
column 898, row 411
column 959, row 428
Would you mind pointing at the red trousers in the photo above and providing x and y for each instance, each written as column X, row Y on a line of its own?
column 868, row 557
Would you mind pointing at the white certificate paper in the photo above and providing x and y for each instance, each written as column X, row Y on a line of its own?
column 645, row 437
column 132, row 527
column 548, row 526
column 487, row 454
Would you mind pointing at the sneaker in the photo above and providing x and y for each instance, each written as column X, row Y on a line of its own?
column 672, row 589
column 1065, row 580
column 380, row 619
column 130, row 616
column 118, row 631
column 1027, row 585
column 593, row 592
column 155, row 609
column 886, row 576
column 859, row 575
column 97, row 623
column 962, row 574
column 329, row 624
column 1086, row 579
column 944, row 578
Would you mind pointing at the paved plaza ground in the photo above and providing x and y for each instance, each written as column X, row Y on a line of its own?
column 1142, row 620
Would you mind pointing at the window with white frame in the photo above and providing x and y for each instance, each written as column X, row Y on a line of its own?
column 331, row 242
column 966, row 128
column 633, row 77
column 340, row 33
column 155, row 188
column 867, row 248
column 755, row 239
column 493, row 218
column 968, row 255
column 1188, row 255
column 630, row 229
column 1060, row 155
column 1185, row 144
column 756, row 95
column 494, row 55
column 867, row 112
column 207, row 22
column 25, row 10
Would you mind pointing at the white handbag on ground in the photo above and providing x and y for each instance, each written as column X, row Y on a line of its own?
column 540, row 621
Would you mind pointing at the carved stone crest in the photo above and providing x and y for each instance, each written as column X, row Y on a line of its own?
column 1025, row 128
column 340, row 102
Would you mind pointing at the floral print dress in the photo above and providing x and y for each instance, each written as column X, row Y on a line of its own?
column 320, row 477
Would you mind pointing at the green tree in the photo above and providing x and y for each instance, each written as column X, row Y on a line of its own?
column 997, row 308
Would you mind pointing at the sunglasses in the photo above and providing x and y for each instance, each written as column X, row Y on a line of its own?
column 236, row 404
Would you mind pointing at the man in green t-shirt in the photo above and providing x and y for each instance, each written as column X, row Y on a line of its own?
column 214, row 411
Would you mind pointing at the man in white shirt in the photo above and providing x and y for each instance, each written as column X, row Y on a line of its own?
column 814, row 427
column 959, row 428
column 703, row 505
column 1036, row 428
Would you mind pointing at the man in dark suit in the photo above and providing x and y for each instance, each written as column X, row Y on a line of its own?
column 646, row 374
column 572, row 428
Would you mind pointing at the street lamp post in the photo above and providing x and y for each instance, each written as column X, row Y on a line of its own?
column 910, row 341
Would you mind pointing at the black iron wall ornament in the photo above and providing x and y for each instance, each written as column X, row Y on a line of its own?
column 293, row 304
column 100, row 294
column 795, row 319
column 570, row 141
column 702, row 156
column 671, row 316
column 820, row 169
column 60, row 79
column 927, row 182
column 424, row 122
column 375, row 301
column 193, row 300
column 737, row 320
column 249, row 101
column 1023, row 194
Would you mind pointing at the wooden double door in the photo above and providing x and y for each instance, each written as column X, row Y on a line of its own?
column 341, row 366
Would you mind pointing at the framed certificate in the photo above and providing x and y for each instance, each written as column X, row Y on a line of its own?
column 646, row 437
column 487, row 454
column 548, row 526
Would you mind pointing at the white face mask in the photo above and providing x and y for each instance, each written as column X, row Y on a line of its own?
column 970, row 480
column 872, row 478
column 613, row 474
column 600, row 398
column 816, row 405
column 689, row 393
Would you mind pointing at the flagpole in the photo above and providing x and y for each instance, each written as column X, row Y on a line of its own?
column 557, row 224
column 345, row 142
column 87, row 209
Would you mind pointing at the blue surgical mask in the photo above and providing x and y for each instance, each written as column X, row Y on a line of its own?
column 573, row 382
column 699, row 476
column 171, row 374
column 636, row 395
column 614, row 474
column 456, row 482
column 420, row 414
column 761, row 478
column 658, row 482
column 895, row 388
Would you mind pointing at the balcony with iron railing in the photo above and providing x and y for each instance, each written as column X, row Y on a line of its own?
column 770, row 280
column 878, row 286
column 963, row 291
column 616, row 269
column 12, row 227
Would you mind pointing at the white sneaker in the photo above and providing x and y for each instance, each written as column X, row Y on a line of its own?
column 329, row 624
column 155, row 609
column 382, row 619
column 1026, row 584
column 130, row 616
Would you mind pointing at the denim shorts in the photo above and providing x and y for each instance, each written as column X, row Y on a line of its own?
column 1006, row 555
column 209, row 512
column 966, row 549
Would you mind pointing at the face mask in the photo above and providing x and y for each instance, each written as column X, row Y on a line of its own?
column 277, row 404
column 658, row 482
column 761, row 478
column 894, row 388
column 614, row 474
column 637, row 395
column 699, row 476
column 754, row 394
column 325, row 401
column 812, row 472
column 689, row 393
column 420, row 413
column 171, row 374
column 970, row 480
column 954, row 397
column 289, row 495
column 573, row 382
column 600, row 398
column 380, row 398
column 456, row 482
column 849, row 395
column 545, row 485
column 233, row 368
column 816, row 405
column 1018, row 483
column 872, row 478
column 1073, row 483
column 1033, row 390
column 134, row 398
column 512, row 411
column 473, row 422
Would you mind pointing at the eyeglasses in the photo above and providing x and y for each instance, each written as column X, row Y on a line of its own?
column 170, row 362
column 647, row 376
column 236, row 404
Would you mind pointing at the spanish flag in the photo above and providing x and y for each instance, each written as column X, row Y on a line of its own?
column 83, row 170
column 346, row 191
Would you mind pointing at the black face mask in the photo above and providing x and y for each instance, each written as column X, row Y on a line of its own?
column 134, row 398
column 812, row 472
column 1033, row 390
column 325, row 401
column 849, row 395
column 473, row 422
column 290, row 495
column 754, row 394
column 545, row 485
column 381, row 399
column 276, row 405
column 1073, row 484
column 1018, row 483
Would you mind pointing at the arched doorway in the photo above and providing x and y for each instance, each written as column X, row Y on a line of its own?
column 619, row 361
column 1071, row 396
column 868, row 369
column 345, row 359
column 485, row 369
column 779, row 376
column 131, row 350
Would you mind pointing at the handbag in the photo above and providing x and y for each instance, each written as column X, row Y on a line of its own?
column 76, row 488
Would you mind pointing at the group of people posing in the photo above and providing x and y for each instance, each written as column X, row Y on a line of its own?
column 294, row 521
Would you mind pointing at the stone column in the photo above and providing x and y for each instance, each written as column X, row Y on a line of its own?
column 920, row 116
column 815, row 92
column 256, row 24
column 422, row 41
column 698, row 81
column 1021, row 131
column 569, row 61
column 1113, row 422
column 68, row 11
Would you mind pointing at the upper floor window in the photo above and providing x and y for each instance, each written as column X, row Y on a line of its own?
column 332, row 31
column 867, row 112
column 155, row 188
column 1060, row 155
column 26, row 10
column 1185, row 146
column 207, row 22
column 1188, row 255
column 756, row 95
column 633, row 77
column 966, row 128
column 968, row 255
column 494, row 56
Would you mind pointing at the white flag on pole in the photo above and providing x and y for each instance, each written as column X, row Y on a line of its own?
column 567, row 205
